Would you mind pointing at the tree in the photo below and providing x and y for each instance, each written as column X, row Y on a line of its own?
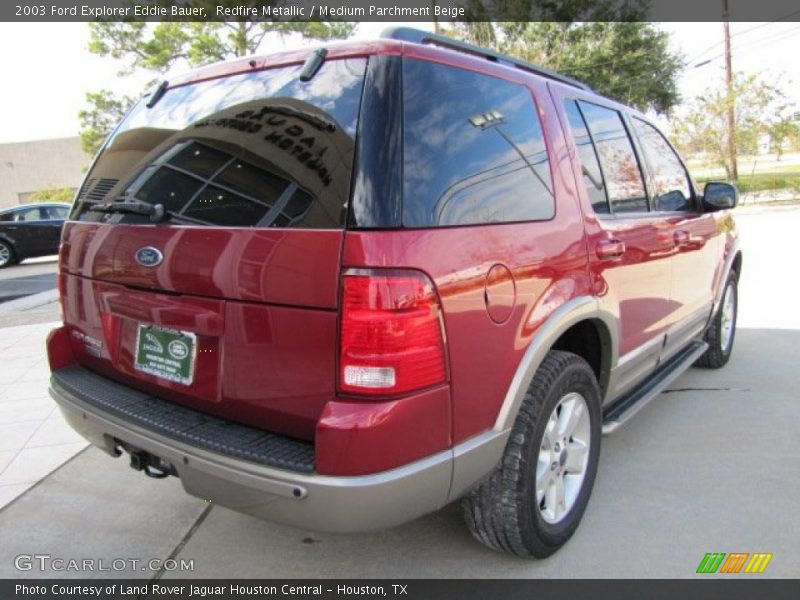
column 54, row 194
column 761, row 109
column 156, row 48
column 783, row 129
column 105, row 110
column 598, row 42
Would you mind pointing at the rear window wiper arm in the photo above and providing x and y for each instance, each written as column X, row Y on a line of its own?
column 156, row 212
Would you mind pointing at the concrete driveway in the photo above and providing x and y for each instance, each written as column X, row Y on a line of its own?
column 30, row 277
column 710, row 466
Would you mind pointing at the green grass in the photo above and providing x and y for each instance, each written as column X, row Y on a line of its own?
column 759, row 182
column 776, row 177
column 756, row 174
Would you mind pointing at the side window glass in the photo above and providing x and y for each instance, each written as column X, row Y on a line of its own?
column 587, row 156
column 672, row 190
column 32, row 214
column 6, row 218
column 623, row 176
column 474, row 150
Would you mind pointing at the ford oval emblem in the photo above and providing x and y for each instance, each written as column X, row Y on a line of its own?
column 149, row 256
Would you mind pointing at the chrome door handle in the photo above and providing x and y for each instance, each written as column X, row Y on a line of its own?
column 681, row 237
column 610, row 249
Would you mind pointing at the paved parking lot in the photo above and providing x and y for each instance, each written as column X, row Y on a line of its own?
column 27, row 291
column 13, row 279
column 710, row 466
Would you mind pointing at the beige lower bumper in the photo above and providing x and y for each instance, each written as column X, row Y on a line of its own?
column 310, row 501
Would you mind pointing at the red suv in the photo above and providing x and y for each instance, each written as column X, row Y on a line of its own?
column 342, row 288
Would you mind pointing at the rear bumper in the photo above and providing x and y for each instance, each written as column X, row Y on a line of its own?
column 306, row 500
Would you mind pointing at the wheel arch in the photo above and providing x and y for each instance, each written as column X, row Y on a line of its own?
column 736, row 265
column 733, row 263
column 569, row 328
column 475, row 458
column 591, row 340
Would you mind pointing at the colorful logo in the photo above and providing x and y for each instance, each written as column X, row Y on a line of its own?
column 734, row 562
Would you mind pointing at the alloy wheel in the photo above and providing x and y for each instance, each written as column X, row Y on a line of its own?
column 728, row 318
column 563, row 458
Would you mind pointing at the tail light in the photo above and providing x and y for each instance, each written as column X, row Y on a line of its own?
column 391, row 333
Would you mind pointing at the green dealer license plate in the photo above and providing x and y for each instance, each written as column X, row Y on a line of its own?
column 166, row 353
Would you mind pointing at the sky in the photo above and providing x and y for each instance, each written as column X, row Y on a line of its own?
column 48, row 69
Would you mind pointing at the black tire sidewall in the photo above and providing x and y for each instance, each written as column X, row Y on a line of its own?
column 577, row 377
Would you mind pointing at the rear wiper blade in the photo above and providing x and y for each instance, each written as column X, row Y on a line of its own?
column 156, row 212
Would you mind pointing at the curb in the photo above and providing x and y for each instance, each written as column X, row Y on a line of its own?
column 28, row 302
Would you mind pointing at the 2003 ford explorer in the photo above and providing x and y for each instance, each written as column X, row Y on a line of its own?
column 341, row 288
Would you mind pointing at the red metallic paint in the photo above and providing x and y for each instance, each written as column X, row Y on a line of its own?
column 278, row 266
column 59, row 349
column 264, row 302
column 277, row 363
column 500, row 293
column 358, row 438
column 280, row 59
column 484, row 355
column 268, row 366
column 658, row 282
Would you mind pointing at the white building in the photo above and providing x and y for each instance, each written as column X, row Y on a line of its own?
column 29, row 167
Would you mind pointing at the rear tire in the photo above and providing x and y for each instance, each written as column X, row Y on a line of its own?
column 534, row 500
column 721, row 333
column 7, row 256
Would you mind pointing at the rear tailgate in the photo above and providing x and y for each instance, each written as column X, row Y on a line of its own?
column 228, row 304
column 265, row 337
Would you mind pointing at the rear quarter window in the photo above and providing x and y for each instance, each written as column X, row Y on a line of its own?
column 473, row 149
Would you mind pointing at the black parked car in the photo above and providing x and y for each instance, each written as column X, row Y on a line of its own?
column 30, row 230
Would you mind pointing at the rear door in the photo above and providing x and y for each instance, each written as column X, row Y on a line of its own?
column 630, row 247
column 228, row 303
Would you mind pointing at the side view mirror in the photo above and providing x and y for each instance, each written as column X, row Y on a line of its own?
column 719, row 196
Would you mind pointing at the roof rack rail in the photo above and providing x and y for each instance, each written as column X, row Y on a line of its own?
column 417, row 36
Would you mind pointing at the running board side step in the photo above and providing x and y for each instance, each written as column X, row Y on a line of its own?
column 627, row 406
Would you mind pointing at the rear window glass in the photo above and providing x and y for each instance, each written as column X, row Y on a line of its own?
column 259, row 149
column 473, row 147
